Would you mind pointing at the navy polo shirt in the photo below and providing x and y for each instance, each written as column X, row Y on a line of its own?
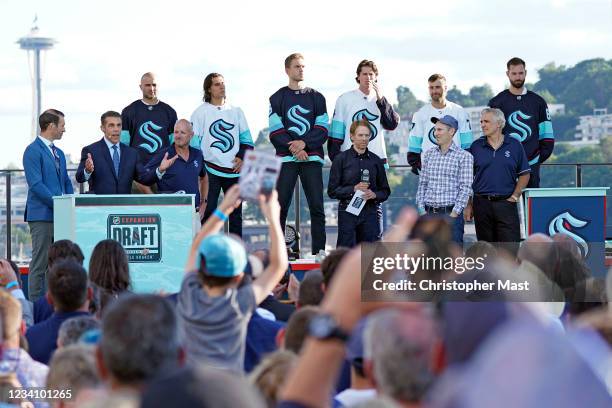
column 496, row 171
column 42, row 337
column 182, row 175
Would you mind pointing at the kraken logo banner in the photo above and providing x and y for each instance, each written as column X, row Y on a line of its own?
column 565, row 223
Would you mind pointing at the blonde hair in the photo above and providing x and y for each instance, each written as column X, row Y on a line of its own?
column 271, row 373
column 10, row 311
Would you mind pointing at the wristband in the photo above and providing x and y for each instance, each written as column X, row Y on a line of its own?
column 220, row 214
column 12, row 284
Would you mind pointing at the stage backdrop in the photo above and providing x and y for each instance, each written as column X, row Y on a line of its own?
column 156, row 231
column 577, row 212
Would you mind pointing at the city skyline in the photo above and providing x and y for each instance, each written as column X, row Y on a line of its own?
column 100, row 55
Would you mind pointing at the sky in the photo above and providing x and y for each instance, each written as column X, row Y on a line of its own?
column 105, row 46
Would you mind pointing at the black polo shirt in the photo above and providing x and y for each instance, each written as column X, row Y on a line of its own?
column 346, row 172
column 182, row 175
column 496, row 171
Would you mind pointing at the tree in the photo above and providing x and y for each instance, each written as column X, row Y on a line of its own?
column 407, row 103
column 582, row 88
column 458, row 97
column 481, row 95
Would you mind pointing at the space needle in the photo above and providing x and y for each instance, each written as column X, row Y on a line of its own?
column 34, row 43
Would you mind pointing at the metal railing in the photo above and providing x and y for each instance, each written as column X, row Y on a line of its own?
column 8, row 176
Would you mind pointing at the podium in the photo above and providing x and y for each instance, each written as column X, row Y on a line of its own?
column 577, row 212
column 156, row 232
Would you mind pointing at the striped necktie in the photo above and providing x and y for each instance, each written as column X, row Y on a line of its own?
column 116, row 159
column 56, row 157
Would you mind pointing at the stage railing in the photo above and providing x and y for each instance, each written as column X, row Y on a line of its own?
column 15, row 241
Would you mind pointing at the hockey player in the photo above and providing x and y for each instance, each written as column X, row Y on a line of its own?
column 527, row 118
column 298, row 129
column 221, row 131
column 422, row 136
column 148, row 124
column 366, row 102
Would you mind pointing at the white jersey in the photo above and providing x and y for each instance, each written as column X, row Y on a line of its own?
column 422, row 136
column 355, row 105
column 222, row 133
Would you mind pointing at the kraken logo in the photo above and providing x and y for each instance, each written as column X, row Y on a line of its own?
column 370, row 117
column 224, row 141
column 432, row 136
column 563, row 224
column 146, row 132
column 522, row 131
column 302, row 125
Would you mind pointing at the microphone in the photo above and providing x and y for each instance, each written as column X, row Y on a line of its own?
column 365, row 176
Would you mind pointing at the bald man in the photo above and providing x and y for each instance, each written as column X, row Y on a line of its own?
column 148, row 123
column 179, row 167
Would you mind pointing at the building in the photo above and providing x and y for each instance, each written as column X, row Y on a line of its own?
column 593, row 128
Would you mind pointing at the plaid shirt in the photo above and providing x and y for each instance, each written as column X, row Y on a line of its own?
column 446, row 179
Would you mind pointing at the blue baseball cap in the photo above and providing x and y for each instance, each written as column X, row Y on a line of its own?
column 448, row 120
column 225, row 256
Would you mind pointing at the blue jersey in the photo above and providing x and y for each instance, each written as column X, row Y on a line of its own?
column 528, row 121
column 298, row 115
column 148, row 128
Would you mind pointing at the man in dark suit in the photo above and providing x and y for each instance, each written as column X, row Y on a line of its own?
column 45, row 170
column 116, row 164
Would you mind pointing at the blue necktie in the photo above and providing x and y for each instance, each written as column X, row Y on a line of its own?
column 56, row 158
column 116, row 159
column 57, row 164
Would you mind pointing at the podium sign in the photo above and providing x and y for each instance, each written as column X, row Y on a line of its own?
column 579, row 213
column 156, row 232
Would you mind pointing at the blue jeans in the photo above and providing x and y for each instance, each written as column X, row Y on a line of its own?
column 456, row 225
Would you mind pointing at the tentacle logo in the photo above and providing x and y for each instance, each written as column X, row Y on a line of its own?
column 522, row 130
column 224, row 141
column 564, row 224
column 370, row 117
column 432, row 136
column 302, row 125
column 146, row 132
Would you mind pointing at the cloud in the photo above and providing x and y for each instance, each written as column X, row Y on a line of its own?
column 103, row 49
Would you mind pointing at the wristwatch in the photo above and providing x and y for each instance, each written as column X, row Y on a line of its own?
column 325, row 327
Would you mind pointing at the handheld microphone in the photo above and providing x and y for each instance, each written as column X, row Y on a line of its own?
column 365, row 176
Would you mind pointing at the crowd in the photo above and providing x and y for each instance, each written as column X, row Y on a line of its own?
column 230, row 338
column 225, row 339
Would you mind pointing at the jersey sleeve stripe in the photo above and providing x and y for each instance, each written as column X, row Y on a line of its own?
column 415, row 143
column 546, row 130
column 338, row 130
column 466, row 139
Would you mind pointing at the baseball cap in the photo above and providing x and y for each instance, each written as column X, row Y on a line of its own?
column 447, row 120
column 225, row 256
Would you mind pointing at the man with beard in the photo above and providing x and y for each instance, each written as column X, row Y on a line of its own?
column 422, row 136
column 527, row 118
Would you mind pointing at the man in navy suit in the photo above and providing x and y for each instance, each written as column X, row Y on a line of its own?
column 45, row 170
column 116, row 164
